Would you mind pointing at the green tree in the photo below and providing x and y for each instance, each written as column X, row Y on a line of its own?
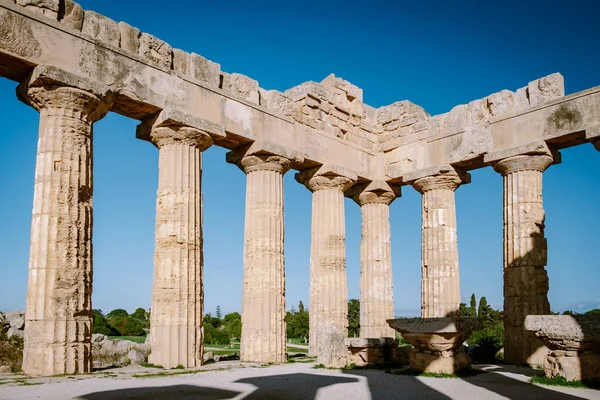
column 233, row 329
column 569, row 312
column 219, row 312
column 132, row 327
column 473, row 305
column 353, row 318
column 213, row 321
column 117, row 313
column 232, row 316
column 593, row 312
column 100, row 324
column 140, row 314
column 483, row 310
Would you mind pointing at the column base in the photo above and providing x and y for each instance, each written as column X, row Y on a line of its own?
column 574, row 342
column 439, row 362
column 370, row 352
column 437, row 342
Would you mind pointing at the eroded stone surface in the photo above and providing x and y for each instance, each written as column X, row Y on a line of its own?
column 328, row 288
column 525, row 255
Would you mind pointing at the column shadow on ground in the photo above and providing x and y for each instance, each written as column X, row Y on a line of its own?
column 186, row 392
column 296, row 386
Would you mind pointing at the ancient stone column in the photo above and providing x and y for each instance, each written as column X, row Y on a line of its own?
column 59, row 293
column 328, row 302
column 177, row 294
column 525, row 255
column 376, row 282
column 440, row 283
column 263, row 289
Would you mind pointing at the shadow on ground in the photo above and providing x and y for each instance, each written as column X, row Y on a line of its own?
column 291, row 386
column 163, row 393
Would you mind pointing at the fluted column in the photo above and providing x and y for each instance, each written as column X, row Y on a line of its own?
column 525, row 255
column 328, row 302
column 440, row 283
column 376, row 281
column 177, row 294
column 59, row 293
column 263, row 288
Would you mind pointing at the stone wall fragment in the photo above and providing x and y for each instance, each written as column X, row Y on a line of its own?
column 545, row 89
column 500, row 103
column 181, row 62
column 130, row 37
column 241, row 86
column 156, row 51
column 101, row 28
column 207, row 71
column 73, row 15
column 49, row 8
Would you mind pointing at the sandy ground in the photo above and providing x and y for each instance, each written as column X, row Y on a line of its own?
column 300, row 381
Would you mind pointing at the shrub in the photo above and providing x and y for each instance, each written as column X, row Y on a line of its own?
column 11, row 352
column 213, row 335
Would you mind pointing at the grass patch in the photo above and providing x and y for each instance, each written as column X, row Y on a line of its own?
column 24, row 382
column 163, row 374
column 296, row 349
column 561, row 381
column 150, row 365
column 135, row 339
column 318, row 366
column 179, row 367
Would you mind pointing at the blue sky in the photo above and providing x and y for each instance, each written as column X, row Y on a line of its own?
column 437, row 54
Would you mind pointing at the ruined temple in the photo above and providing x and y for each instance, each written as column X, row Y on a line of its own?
column 74, row 66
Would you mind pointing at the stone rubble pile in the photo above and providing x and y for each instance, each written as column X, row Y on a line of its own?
column 13, row 324
column 107, row 353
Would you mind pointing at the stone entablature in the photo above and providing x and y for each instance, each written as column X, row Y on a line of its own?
column 327, row 121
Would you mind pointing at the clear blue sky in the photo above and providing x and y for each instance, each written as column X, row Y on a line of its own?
column 435, row 53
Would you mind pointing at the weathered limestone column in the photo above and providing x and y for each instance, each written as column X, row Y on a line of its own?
column 59, row 293
column 376, row 281
column 525, row 255
column 440, row 283
column 177, row 293
column 328, row 302
column 263, row 290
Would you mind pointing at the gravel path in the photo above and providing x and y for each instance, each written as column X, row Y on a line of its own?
column 289, row 382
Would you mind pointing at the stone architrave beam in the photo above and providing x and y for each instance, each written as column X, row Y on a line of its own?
column 328, row 289
column 263, row 289
column 440, row 283
column 376, row 279
column 59, row 294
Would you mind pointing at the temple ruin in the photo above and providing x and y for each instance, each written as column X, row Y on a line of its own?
column 75, row 66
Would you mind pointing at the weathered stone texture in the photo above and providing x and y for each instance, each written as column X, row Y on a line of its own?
column 376, row 279
column 101, row 28
column 49, row 8
column 73, row 15
column 236, row 84
column 59, row 309
column 440, row 284
column 178, row 296
column 156, row 51
column 330, row 349
column 525, row 255
column 263, row 288
column 545, row 89
column 130, row 37
column 210, row 72
column 328, row 288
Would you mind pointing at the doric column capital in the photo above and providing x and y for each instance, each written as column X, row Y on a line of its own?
column 448, row 180
column 52, row 91
column 264, row 162
column 523, row 163
column 376, row 192
column 326, row 178
column 264, row 156
column 175, row 127
column 179, row 134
